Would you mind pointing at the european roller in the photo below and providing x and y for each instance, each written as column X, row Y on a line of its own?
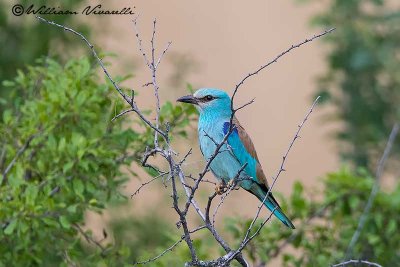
column 214, row 107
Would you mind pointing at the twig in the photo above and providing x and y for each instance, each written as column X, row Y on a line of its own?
column 245, row 105
column 161, row 254
column 374, row 189
column 282, row 166
column 230, row 188
column 148, row 182
column 90, row 239
column 19, row 153
column 125, row 97
column 185, row 157
column 69, row 260
column 122, row 113
column 162, row 54
column 139, row 41
column 247, row 239
column 278, row 57
column 182, row 217
column 357, row 262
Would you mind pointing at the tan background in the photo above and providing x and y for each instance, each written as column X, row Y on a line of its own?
column 226, row 40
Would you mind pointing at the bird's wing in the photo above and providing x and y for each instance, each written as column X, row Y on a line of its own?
column 238, row 140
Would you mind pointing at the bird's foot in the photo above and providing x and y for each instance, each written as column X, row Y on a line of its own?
column 231, row 184
column 220, row 188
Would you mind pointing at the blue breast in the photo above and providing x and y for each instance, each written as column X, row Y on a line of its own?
column 225, row 166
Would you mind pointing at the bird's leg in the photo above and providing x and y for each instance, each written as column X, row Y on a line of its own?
column 220, row 188
column 231, row 184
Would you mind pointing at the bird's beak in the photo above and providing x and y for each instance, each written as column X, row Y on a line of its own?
column 188, row 99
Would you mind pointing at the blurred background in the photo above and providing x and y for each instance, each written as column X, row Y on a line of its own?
column 48, row 105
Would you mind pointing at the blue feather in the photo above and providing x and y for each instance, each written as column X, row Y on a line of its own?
column 214, row 124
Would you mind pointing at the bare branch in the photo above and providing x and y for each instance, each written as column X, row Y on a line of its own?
column 232, row 184
column 175, row 167
column 162, row 54
column 125, row 97
column 148, row 182
column 374, row 189
column 185, row 157
column 139, row 41
column 246, row 239
column 245, row 105
column 278, row 57
column 357, row 262
column 161, row 254
column 288, row 240
column 121, row 114
column 90, row 239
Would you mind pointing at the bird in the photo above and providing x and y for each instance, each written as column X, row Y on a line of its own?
column 237, row 162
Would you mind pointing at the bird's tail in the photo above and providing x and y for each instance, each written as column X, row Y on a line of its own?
column 273, row 205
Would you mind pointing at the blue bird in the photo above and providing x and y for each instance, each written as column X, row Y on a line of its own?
column 214, row 107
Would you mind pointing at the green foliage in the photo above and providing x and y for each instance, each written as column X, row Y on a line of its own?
column 23, row 39
column 325, row 227
column 64, row 157
column 363, row 79
column 148, row 236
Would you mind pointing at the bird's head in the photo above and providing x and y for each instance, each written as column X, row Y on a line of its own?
column 209, row 100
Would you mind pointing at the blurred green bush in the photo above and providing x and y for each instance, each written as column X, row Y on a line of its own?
column 60, row 156
column 363, row 76
column 23, row 40
column 326, row 226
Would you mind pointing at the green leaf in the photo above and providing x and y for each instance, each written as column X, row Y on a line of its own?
column 78, row 186
column 68, row 166
column 64, row 222
column 7, row 116
column 31, row 193
column 10, row 227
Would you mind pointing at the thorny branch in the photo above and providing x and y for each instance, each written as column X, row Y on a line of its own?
column 247, row 238
column 90, row 239
column 374, row 191
column 357, row 262
column 175, row 167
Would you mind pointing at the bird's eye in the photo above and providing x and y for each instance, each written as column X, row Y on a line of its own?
column 209, row 97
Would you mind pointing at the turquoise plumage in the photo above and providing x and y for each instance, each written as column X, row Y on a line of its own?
column 214, row 107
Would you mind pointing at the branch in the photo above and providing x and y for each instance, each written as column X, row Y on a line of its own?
column 121, row 114
column 19, row 153
column 125, row 97
column 161, row 254
column 153, row 68
column 148, row 182
column 374, row 189
column 282, row 166
column 231, row 128
column 90, row 239
column 357, row 262
column 175, row 167
column 278, row 57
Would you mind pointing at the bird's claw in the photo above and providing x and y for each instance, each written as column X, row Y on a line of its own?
column 220, row 188
column 231, row 184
